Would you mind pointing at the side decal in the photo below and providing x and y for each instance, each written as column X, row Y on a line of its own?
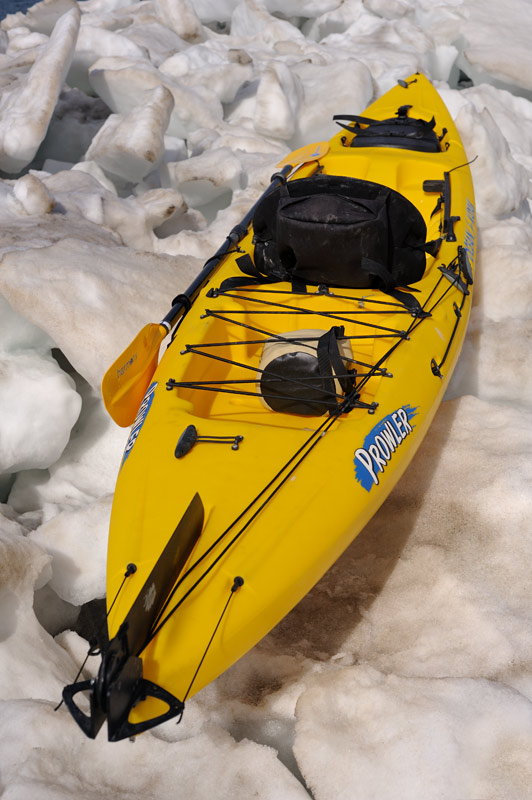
column 380, row 444
column 469, row 240
column 139, row 421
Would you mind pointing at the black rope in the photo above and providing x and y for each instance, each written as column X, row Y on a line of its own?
column 244, row 366
column 275, row 337
column 458, row 312
column 94, row 649
column 291, row 310
column 131, row 569
column 354, row 298
column 307, row 311
column 237, row 583
column 400, row 334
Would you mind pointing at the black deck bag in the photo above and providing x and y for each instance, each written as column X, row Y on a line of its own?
column 339, row 231
column 306, row 372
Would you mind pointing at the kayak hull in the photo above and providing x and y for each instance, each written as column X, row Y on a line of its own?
column 285, row 494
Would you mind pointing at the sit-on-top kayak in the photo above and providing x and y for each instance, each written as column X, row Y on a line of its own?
column 307, row 362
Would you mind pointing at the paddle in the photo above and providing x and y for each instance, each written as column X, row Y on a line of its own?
column 310, row 152
column 125, row 382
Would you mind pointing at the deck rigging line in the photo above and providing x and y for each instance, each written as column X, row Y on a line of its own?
column 287, row 470
column 205, row 384
column 269, row 336
column 284, row 309
column 363, row 299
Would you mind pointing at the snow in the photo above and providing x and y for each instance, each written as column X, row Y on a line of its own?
column 133, row 136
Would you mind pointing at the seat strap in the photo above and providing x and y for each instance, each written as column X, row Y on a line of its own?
column 331, row 365
column 355, row 118
column 256, row 278
column 389, row 286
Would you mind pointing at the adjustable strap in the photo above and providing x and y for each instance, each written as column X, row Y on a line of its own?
column 256, row 278
column 389, row 286
column 246, row 265
column 385, row 281
column 354, row 118
column 331, row 365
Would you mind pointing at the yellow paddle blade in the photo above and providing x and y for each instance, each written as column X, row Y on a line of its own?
column 125, row 382
column 310, row 152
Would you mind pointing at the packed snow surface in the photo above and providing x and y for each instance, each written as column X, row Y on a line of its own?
column 133, row 136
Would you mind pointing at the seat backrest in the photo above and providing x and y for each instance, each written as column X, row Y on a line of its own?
column 327, row 229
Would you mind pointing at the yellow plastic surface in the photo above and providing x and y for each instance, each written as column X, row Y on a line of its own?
column 286, row 518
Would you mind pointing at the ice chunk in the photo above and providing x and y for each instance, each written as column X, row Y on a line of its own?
column 336, row 20
column 507, row 250
column 24, row 39
column 180, row 17
column 27, row 105
column 120, row 82
column 77, row 542
column 133, row 218
column 94, row 43
column 495, row 166
column 497, row 54
column 203, row 178
column 278, row 98
column 219, row 11
column 158, row 41
column 33, row 196
column 314, row 119
column 92, row 169
column 41, row 17
column 74, row 123
column 92, row 290
column 512, row 115
column 224, row 79
column 86, row 471
column 38, row 400
column 53, row 613
column 32, row 664
column 132, row 145
column 250, row 18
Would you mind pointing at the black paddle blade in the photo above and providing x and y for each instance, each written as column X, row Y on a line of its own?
column 120, row 684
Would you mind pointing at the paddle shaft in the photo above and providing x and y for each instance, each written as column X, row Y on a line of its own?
column 183, row 301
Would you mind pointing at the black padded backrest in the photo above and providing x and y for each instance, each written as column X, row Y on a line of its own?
column 321, row 229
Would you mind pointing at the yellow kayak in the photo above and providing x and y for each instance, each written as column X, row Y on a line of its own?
column 308, row 361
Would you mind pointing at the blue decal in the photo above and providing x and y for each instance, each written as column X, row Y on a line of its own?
column 469, row 241
column 139, row 421
column 380, row 444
